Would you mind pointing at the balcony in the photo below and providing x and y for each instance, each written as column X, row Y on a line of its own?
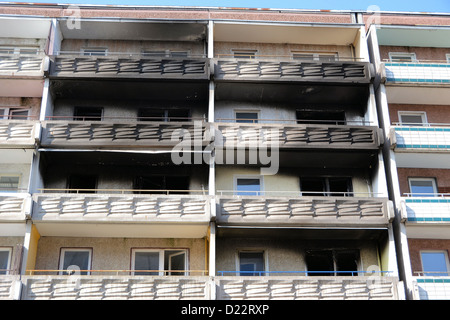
column 303, row 287
column 432, row 137
column 427, row 209
column 128, row 65
column 14, row 206
column 115, row 287
column 121, row 133
column 9, row 287
column 18, row 133
column 22, row 66
column 307, row 211
column 285, row 68
column 291, row 136
column 417, row 72
column 431, row 287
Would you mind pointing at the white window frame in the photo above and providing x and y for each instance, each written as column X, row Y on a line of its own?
column 161, row 253
column 251, row 250
column 447, row 262
column 12, row 175
column 447, row 56
column 245, row 176
column 423, row 114
column 245, row 53
column 62, row 256
column 8, row 264
column 433, row 180
column 316, row 55
column 258, row 114
column 411, row 54
column 7, row 112
column 84, row 50
column 17, row 50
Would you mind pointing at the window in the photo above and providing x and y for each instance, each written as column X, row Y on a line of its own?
column 332, row 262
column 422, row 187
column 324, row 186
column 320, row 117
column 412, row 118
column 244, row 54
column 9, row 183
column 14, row 113
column 5, row 260
column 251, row 263
column 402, row 57
column 248, row 186
column 179, row 54
column 82, row 183
column 19, row 50
column 164, row 115
column 165, row 53
column 146, row 262
column 94, row 52
column 447, row 57
column 247, row 116
column 175, row 184
column 435, row 263
column 75, row 259
column 316, row 56
column 88, row 113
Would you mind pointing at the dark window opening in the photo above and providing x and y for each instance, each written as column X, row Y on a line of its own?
column 82, row 184
column 153, row 184
column 321, row 117
column 164, row 115
column 332, row 262
column 322, row 186
column 88, row 113
column 247, row 117
column 251, row 263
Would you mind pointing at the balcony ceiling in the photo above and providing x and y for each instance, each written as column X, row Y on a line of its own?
column 422, row 159
column 122, row 30
column 269, row 33
column 416, row 36
column 24, row 28
column 31, row 88
column 418, row 94
column 428, row 231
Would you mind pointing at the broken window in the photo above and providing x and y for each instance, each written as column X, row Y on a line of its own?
column 251, row 263
column 320, row 117
column 326, row 186
column 147, row 262
column 163, row 115
column 79, row 183
column 88, row 113
column 152, row 184
column 332, row 262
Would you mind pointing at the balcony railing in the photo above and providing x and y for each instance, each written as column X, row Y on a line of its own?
column 286, row 135
column 121, row 205
column 287, row 69
column 129, row 65
column 432, row 287
column 18, row 132
column 9, row 287
column 14, row 206
column 75, row 287
column 122, row 132
column 427, row 207
column 431, row 137
column 303, row 287
column 424, row 72
column 290, row 209
column 22, row 65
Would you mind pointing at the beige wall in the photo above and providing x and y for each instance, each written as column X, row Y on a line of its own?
column 115, row 253
column 11, row 243
column 34, row 104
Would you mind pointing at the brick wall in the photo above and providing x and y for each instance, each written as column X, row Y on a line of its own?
column 435, row 113
column 442, row 178
column 417, row 245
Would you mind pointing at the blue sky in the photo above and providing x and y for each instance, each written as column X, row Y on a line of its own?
column 384, row 5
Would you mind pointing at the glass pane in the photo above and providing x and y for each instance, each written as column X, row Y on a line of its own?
column 154, row 53
column 402, row 58
column 77, row 258
column 246, row 187
column 251, row 263
column 29, row 51
column 422, row 188
column 246, row 117
column 435, row 263
column 19, row 114
column 6, row 50
column 9, row 183
column 303, row 56
column 4, row 257
column 244, row 55
column 327, row 57
column 179, row 54
column 176, row 261
column 146, row 261
column 94, row 52
column 411, row 119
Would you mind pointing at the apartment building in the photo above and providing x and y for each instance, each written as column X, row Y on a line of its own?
column 413, row 84
column 198, row 153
